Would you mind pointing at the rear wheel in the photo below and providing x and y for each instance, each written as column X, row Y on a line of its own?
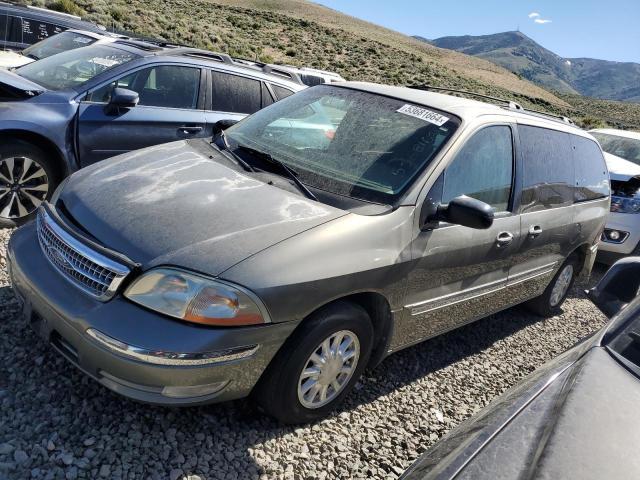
column 318, row 366
column 549, row 303
column 26, row 180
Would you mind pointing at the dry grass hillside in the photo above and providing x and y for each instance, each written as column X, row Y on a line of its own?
column 305, row 33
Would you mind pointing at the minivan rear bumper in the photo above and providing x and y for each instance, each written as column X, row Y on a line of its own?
column 131, row 350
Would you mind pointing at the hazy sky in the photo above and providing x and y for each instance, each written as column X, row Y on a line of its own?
column 608, row 30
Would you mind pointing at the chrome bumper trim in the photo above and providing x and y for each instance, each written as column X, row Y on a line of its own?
column 170, row 358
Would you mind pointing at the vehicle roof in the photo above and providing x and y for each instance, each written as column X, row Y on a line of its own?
column 204, row 57
column 462, row 107
column 39, row 12
column 617, row 133
column 96, row 35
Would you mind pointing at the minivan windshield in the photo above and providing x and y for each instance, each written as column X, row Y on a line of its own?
column 61, row 42
column 74, row 67
column 623, row 147
column 348, row 142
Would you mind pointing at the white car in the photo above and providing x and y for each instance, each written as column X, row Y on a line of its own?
column 621, row 235
column 61, row 42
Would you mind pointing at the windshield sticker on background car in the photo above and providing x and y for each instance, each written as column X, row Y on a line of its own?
column 423, row 114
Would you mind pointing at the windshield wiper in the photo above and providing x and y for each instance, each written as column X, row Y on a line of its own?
column 283, row 166
column 237, row 158
column 32, row 56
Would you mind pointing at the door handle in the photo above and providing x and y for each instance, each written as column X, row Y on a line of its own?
column 189, row 130
column 535, row 230
column 504, row 238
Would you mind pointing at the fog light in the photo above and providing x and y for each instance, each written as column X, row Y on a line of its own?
column 193, row 391
column 614, row 236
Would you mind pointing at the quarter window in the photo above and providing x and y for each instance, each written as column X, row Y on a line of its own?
column 281, row 92
column 233, row 93
column 483, row 169
column 166, row 86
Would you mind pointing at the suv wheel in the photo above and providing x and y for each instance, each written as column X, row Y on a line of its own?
column 26, row 180
column 548, row 304
column 318, row 366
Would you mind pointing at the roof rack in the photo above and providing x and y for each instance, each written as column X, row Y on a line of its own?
column 241, row 62
column 511, row 105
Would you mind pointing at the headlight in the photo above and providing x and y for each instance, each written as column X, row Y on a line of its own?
column 625, row 205
column 194, row 298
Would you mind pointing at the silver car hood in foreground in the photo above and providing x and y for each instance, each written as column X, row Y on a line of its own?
column 173, row 204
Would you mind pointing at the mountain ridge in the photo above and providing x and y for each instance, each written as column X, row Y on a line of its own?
column 517, row 52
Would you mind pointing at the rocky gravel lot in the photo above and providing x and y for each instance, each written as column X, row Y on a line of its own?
column 56, row 423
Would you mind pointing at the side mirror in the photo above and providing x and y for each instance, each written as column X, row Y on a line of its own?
column 462, row 210
column 224, row 124
column 618, row 287
column 122, row 98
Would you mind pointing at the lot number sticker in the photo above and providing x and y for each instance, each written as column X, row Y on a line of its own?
column 423, row 114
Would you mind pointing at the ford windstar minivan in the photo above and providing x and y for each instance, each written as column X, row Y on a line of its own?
column 307, row 242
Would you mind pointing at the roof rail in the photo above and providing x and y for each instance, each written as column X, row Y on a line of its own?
column 511, row 104
column 241, row 62
column 552, row 116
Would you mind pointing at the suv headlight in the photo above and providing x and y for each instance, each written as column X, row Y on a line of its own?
column 625, row 205
column 194, row 298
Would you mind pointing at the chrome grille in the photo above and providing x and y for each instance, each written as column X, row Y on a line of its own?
column 89, row 270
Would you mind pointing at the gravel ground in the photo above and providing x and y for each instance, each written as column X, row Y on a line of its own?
column 56, row 423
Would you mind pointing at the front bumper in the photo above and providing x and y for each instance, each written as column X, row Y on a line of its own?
column 623, row 222
column 169, row 362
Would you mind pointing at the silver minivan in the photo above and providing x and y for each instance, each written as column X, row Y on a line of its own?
column 308, row 242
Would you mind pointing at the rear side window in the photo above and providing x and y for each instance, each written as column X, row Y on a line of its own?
column 233, row 93
column 281, row 92
column 548, row 173
column 35, row 30
column 483, row 169
column 592, row 179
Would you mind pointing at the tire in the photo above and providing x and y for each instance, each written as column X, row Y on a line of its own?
column 280, row 391
column 548, row 304
column 23, row 190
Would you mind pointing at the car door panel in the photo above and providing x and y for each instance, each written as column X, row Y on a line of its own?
column 549, row 231
column 170, row 108
column 460, row 274
column 102, row 135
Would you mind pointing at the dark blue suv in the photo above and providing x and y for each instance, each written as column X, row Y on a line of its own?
column 73, row 109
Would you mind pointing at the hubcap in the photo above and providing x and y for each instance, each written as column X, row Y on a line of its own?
column 328, row 369
column 562, row 285
column 23, row 187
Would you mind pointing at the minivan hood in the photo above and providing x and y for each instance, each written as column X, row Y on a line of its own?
column 15, row 86
column 173, row 204
column 621, row 169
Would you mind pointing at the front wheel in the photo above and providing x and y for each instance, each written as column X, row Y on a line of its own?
column 26, row 180
column 548, row 304
column 318, row 366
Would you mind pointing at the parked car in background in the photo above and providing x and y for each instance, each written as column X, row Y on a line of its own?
column 622, row 233
column 81, row 106
column 575, row 417
column 60, row 42
column 313, row 76
column 21, row 26
column 275, row 264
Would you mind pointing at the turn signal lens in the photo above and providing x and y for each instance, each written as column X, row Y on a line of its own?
column 194, row 298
